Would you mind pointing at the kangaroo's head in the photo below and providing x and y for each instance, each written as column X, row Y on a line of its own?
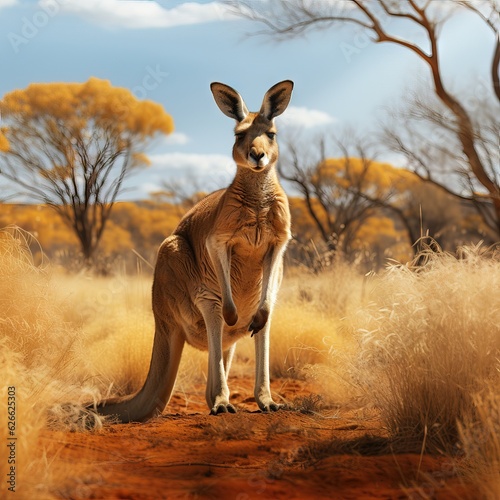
column 255, row 145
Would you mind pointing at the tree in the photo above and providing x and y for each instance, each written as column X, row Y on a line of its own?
column 342, row 192
column 182, row 196
column 4, row 143
column 4, row 146
column 73, row 144
column 133, row 229
column 289, row 18
column 427, row 135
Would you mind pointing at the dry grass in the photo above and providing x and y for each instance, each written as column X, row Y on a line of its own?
column 480, row 439
column 31, row 325
column 308, row 329
column 428, row 342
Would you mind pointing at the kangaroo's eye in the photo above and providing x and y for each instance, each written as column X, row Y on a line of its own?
column 239, row 135
column 271, row 135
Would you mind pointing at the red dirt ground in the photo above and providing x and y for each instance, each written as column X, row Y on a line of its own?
column 187, row 454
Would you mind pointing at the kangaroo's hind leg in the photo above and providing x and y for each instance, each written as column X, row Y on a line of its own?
column 228, row 359
column 262, row 390
column 217, row 393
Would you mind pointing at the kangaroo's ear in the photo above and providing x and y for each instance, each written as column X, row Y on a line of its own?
column 276, row 99
column 229, row 101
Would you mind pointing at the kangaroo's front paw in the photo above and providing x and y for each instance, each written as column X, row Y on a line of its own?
column 259, row 321
column 230, row 314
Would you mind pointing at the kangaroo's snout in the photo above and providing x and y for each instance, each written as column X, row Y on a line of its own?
column 259, row 158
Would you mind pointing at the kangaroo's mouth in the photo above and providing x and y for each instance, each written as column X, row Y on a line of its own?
column 257, row 168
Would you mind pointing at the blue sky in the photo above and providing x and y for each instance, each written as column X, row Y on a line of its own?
column 169, row 51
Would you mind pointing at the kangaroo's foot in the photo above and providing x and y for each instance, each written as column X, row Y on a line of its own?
column 222, row 407
column 270, row 407
column 266, row 403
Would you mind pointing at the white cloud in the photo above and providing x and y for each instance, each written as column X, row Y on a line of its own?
column 302, row 117
column 7, row 3
column 192, row 162
column 137, row 14
column 205, row 172
column 176, row 138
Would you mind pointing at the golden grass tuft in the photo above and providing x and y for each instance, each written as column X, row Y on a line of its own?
column 428, row 342
column 36, row 348
column 307, row 328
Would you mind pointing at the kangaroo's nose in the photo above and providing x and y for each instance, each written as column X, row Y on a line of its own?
column 256, row 156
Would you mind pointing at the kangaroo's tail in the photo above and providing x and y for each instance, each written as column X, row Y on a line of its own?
column 157, row 389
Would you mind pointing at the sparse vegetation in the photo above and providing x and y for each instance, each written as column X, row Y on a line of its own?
column 310, row 404
column 429, row 341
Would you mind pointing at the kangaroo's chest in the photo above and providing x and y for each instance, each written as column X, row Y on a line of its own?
column 255, row 227
column 254, row 231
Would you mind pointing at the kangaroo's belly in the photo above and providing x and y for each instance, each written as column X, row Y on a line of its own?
column 246, row 288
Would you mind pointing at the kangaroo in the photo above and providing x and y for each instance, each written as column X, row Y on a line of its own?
column 217, row 276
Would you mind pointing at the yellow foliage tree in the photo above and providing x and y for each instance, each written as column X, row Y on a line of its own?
column 133, row 228
column 53, row 237
column 148, row 224
column 341, row 194
column 4, row 143
column 378, row 179
column 71, row 145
